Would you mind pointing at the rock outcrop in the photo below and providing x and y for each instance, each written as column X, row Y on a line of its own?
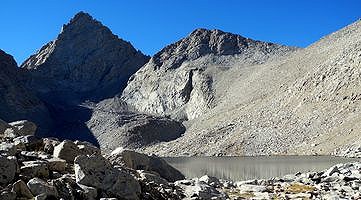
column 16, row 101
column 140, row 161
column 180, row 79
column 85, row 62
column 96, row 171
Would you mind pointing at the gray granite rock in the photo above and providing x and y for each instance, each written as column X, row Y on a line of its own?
column 68, row 150
column 56, row 164
column 38, row 186
column 23, row 127
column 22, row 190
column 139, row 161
column 35, row 168
column 96, row 171
column 7, row 148
column 8, row 168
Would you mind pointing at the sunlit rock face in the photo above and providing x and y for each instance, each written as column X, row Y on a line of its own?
column 179, row 80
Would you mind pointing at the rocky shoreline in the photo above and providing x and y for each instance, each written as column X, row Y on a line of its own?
column 46, row 168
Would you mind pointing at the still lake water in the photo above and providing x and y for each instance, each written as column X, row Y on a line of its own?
column 244, row 168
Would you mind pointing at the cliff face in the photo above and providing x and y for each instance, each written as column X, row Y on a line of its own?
column 17, row 102
column 180, row 80
column 85, row 62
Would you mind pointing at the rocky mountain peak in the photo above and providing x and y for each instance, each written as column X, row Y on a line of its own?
column 180, row 80
column 85, row 62
column 82, row 16
column 81, row 22
column 203, row 42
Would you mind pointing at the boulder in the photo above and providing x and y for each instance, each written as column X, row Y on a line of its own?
column 96, row 171
column 195, row 189
column 139, row 161
column 87, row 148
column 35, row 169
column 210, row 180
column 23, row 127
column 149, row 177
column 38, row 186
column 28, row 142
column 22, row 190
column 56, row 164
column 65, row 187
column 331, row 170
column 68, row 150
column 7, row 149
column 10, row 133
column 8, row 168
column 49, row 144
column 86, row 192
column 252, row 188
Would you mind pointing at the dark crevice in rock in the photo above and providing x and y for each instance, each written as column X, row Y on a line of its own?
column 187, row 90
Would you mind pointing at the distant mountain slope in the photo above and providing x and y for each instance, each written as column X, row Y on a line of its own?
column 306, row 103
column 85, row 62
column 16, row 102
column 180, row 80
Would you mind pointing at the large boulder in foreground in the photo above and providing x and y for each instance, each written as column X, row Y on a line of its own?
column 96, row 171
column 140, row 161
column 68, row 150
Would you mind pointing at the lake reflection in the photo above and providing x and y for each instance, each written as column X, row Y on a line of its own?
column 244, row 168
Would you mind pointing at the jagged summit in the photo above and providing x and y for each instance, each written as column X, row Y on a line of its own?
column 82, row 15
column 81, row 18
column 85, row 62
column 201, row 42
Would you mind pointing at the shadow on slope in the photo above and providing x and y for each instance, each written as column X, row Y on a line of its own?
column 69, row 123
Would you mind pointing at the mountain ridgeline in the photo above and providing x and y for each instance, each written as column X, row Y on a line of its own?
column 210, row 93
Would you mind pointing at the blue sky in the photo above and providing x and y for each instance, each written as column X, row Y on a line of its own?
column 151, row 24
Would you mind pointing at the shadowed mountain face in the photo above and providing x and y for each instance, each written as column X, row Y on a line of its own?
column 85, row 62
column 16, row 102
